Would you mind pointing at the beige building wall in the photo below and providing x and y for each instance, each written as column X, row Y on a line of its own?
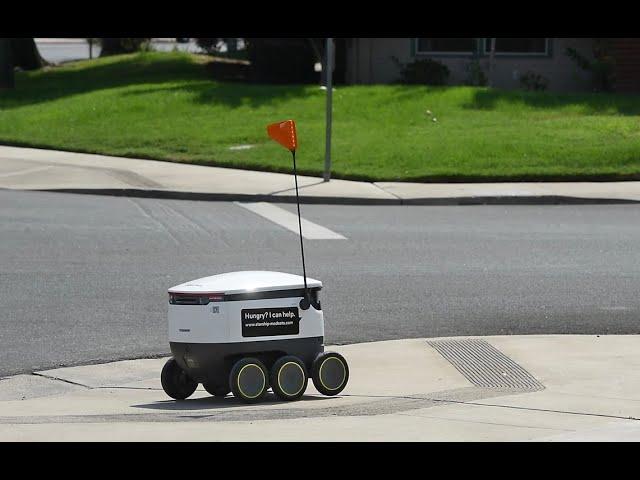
column 370, row 61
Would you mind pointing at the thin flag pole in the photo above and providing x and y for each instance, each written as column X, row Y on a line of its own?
column 304, row 270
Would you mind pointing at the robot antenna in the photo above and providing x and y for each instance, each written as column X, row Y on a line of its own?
column 304, row 304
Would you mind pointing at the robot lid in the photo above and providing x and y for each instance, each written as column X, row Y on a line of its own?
column 244, row 282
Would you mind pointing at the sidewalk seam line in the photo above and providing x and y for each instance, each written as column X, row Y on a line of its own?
column 61, row 380
column 533, row 409
column 515, row 391
column 375, row 184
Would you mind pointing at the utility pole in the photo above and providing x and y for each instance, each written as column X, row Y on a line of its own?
column 328, row 68
column 6, row 64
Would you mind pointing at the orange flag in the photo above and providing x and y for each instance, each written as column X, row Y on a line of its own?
column 284, row 133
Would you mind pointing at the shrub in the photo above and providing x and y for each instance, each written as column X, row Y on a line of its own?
column 423, row 71
column 533, row 81
column 475, row 74
column 601, row 68
column 115, row 46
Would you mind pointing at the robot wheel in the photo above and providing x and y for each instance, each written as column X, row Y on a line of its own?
column 289, row 378
column 217, row 390
column 249, row 380
column 175, row 381
column 330, row 373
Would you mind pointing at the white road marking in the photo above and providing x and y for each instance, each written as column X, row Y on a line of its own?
column 24, row 172
column 288, row 220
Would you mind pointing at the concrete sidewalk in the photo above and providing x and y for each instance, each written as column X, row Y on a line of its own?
column 540, row 388
column 36, row 169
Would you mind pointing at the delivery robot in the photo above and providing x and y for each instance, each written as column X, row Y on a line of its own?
column 245, row 332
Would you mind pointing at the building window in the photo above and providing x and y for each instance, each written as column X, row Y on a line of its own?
column 455, row 46
column 518, row 46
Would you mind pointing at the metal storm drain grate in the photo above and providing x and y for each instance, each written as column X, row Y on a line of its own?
column 484, row 365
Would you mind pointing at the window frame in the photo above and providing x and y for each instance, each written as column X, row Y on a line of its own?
column 481, row 51
column 418, row 52
column 486, row 50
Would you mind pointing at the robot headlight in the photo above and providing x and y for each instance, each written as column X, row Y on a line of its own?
column 194, row 298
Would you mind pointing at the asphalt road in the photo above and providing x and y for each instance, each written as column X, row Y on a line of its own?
column 65, row 50
column 84, row 278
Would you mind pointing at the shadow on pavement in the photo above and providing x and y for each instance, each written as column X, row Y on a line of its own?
column 208, row 403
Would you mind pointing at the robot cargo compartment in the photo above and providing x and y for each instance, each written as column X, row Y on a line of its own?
column 236, row 321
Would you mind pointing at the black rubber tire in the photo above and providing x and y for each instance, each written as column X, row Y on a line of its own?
column 175, row 381
column 217, row 390
column 282, row 389
column 337, row 379
column 246, row 366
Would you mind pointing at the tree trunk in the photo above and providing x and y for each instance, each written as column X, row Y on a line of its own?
column 110, row 46
column 6, row 64
column 492, row 56
column 25, row 54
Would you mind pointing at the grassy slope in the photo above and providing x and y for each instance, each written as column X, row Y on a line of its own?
column 163, row 106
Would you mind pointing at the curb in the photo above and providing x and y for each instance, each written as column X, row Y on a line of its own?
column 442, row 201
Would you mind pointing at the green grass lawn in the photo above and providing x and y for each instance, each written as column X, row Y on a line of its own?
column 164, row 106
